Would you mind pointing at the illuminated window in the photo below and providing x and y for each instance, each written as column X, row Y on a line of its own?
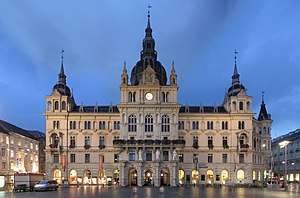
column 31, row 145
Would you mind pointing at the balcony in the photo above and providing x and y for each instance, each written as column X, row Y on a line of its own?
column 210, row 147
column 178, row 143
column 225, row 146
column 53, row 146
column 244, row 147
column 72, row 146
column 195, row 145
column 101, row 146
column 87, row 146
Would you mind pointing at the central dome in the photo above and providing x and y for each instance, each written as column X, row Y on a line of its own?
column 148, row 57
column 138, row 69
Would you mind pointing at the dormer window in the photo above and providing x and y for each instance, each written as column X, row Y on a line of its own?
column 110, row 110
column 96, row 109
column 81, row 109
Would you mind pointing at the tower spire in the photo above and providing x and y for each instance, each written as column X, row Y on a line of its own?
column 61, row 75
column 148, row 23
column 235, row 77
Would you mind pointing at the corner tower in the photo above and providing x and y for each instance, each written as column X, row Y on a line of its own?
column 61, row 98
column 236, row 99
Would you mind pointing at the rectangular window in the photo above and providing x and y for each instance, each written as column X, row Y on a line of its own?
column 210, row 141
column 87, row 158
column 31, row 145
column 55, row 158
column 116, row 158
column 195, row 140
column 224, row 158
column 101, row 140
column 165, row 155
column 210, row 158
column 148, row 155
column 3, row 151
column 87, row 140
column 241, row 158
column 36, row 147
column 72, row 158
column 225, row 142
column 72, row 141
column 180, row 157
column 132, row 155
column 3, row 165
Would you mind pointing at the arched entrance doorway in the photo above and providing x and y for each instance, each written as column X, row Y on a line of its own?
column 73, row 177
column 116, row 174
column 102, row 177
column 210, row 176
column 181, row 176
column 165, row 177
column 132, row 177
column 195, row 177
column 87, row 176
column 240, row 175
column 224, row 176
column 57, row 175
column 148, row 177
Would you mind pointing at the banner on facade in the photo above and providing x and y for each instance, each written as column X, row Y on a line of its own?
column 63, row 160
column 25, row 163
column 100, row 162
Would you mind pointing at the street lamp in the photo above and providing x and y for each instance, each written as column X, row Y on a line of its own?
column 284, row 145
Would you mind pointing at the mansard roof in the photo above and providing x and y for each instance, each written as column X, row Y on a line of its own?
column 96, row 109
column 293, row 135
column 7, row 128
column 202, row 109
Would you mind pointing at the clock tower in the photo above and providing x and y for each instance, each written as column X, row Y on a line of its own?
column 149, row 101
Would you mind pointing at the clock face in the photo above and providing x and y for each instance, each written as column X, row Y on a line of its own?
column 149, row 96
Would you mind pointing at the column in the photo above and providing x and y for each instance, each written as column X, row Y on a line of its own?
column 122, row 169
column 139, row 173
column 157, row 175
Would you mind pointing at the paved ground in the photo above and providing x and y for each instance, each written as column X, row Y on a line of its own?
column 145, row 192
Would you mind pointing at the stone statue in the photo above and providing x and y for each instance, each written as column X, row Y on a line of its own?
column 174, row 155
column 140, row 154
column 157, row 154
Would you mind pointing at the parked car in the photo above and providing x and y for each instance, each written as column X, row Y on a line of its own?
column 46, row 185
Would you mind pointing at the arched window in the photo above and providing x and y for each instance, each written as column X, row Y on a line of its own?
column 63, row 105
column 241, row 125
column 241, row 106
column 148, row 123
column 129, row 97
column 132, row 123
column 264, row 131
column 234, row 106
column 210, row 125
column 56, row 105
column 195, row 125
column 133, row 96
column 165, row 123
column 49, row 105
column 102, row 125
column 248, row 105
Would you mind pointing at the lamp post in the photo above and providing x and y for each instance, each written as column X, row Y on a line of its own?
column 284, row 145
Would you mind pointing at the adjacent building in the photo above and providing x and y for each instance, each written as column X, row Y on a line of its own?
column 149, row 138
column 286, row 158
column 19, row 153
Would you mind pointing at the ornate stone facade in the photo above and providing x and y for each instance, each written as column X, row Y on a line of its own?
column 151, row 139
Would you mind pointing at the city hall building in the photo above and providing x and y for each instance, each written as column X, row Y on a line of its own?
column 149, row 138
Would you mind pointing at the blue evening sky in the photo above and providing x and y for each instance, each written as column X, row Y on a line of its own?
column 198, row 35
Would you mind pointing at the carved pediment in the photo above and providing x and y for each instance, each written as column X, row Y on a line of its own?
column 55, row 93
column 149, row 77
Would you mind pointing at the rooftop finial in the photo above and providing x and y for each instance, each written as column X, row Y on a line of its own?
column 235, row 68
column 149, row 6
column 263, row 97
column 62, row 55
